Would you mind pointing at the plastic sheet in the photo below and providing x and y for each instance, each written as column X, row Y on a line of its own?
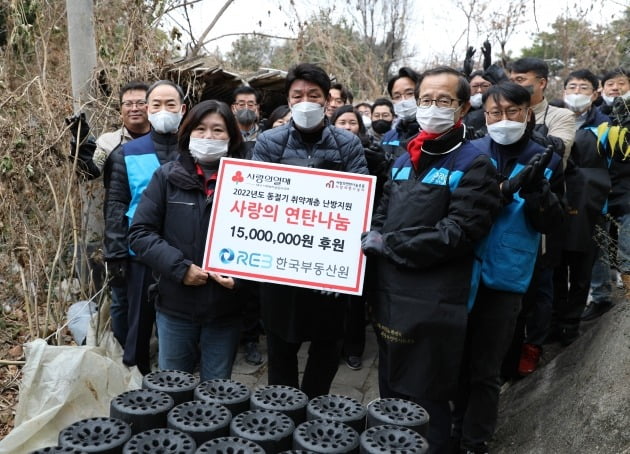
column 64, row 384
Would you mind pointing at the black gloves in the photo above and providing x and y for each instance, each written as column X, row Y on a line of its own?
column 538, row 163
column 117, row 272
column 486, row 50
column 84, row 152
column 79, row 127
column 510, row 186
column 468, row 64
column 372, row 243
column 530, row 179
column 378, row 161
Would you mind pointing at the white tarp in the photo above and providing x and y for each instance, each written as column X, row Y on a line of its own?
column 62, row 385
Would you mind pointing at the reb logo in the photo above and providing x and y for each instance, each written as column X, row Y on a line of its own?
column 330, row 184
column 250, row 259
column 226, row 255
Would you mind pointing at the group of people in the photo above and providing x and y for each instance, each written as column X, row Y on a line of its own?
column 481, row 246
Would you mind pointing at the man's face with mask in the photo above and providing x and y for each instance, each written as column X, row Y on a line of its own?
column 404, row 98
column 307, row 101
column 165, row 109
column 245, row 108
column 579, row 94
column 532, row 82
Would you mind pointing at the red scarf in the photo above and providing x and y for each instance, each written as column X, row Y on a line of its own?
column 209, row 183
column 414, row 147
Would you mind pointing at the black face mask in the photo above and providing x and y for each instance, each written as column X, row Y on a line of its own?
column 381, row 126
column 529, row 88
column 246, row 117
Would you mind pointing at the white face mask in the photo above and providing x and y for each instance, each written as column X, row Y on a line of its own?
column 577, row 102
column 307, row 115
column 405, row 109
column 475, row 100
column 506, row 132
column 165, row 122
column 206, row 151
column 608, row 99
column 367, row 121
column 435, row 119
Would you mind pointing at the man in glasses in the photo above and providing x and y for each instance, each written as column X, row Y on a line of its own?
column 246, row 108
column 441, row 200
column 402, row 91
column 555, row 126
column 93, row 156
column 135, row 123
column 588, row 186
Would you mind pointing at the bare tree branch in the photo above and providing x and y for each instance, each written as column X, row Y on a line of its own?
column 177, row 6
column 187, row 16
column 263, row 35
column 195, row 50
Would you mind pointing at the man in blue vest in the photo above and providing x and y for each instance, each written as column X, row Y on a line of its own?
column 127, row 173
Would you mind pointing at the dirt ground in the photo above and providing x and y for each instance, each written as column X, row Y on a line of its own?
column 14, row 334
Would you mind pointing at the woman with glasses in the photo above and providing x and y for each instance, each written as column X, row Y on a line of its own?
column 198, row 314
column 532, row 186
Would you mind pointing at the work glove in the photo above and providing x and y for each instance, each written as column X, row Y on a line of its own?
column 468, row 65
column 84, row 152
column 117, row 272
column 377, row 161
column 486, row 50
column 538, row 163
column 510, row 186
column 79, row 127
column 372, row 243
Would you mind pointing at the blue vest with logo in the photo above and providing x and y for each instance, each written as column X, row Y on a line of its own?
column 141, row 161
column 507, row 255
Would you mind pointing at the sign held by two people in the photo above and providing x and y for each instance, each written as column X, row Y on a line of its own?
column 289, row 225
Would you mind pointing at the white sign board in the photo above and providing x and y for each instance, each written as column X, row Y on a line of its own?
column 289, row 225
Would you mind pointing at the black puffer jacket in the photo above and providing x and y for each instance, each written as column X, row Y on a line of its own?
column 292, row 313
column 168, row 234
column 336, row 149
column 588, row 184
column 118, row 194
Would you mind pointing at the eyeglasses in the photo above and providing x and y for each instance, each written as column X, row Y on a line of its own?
column 405, row 95
column 442, row 101
column 581, row 87
column 243, row 104
column 511, row 113
column 480, row 86
column 139, row 104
